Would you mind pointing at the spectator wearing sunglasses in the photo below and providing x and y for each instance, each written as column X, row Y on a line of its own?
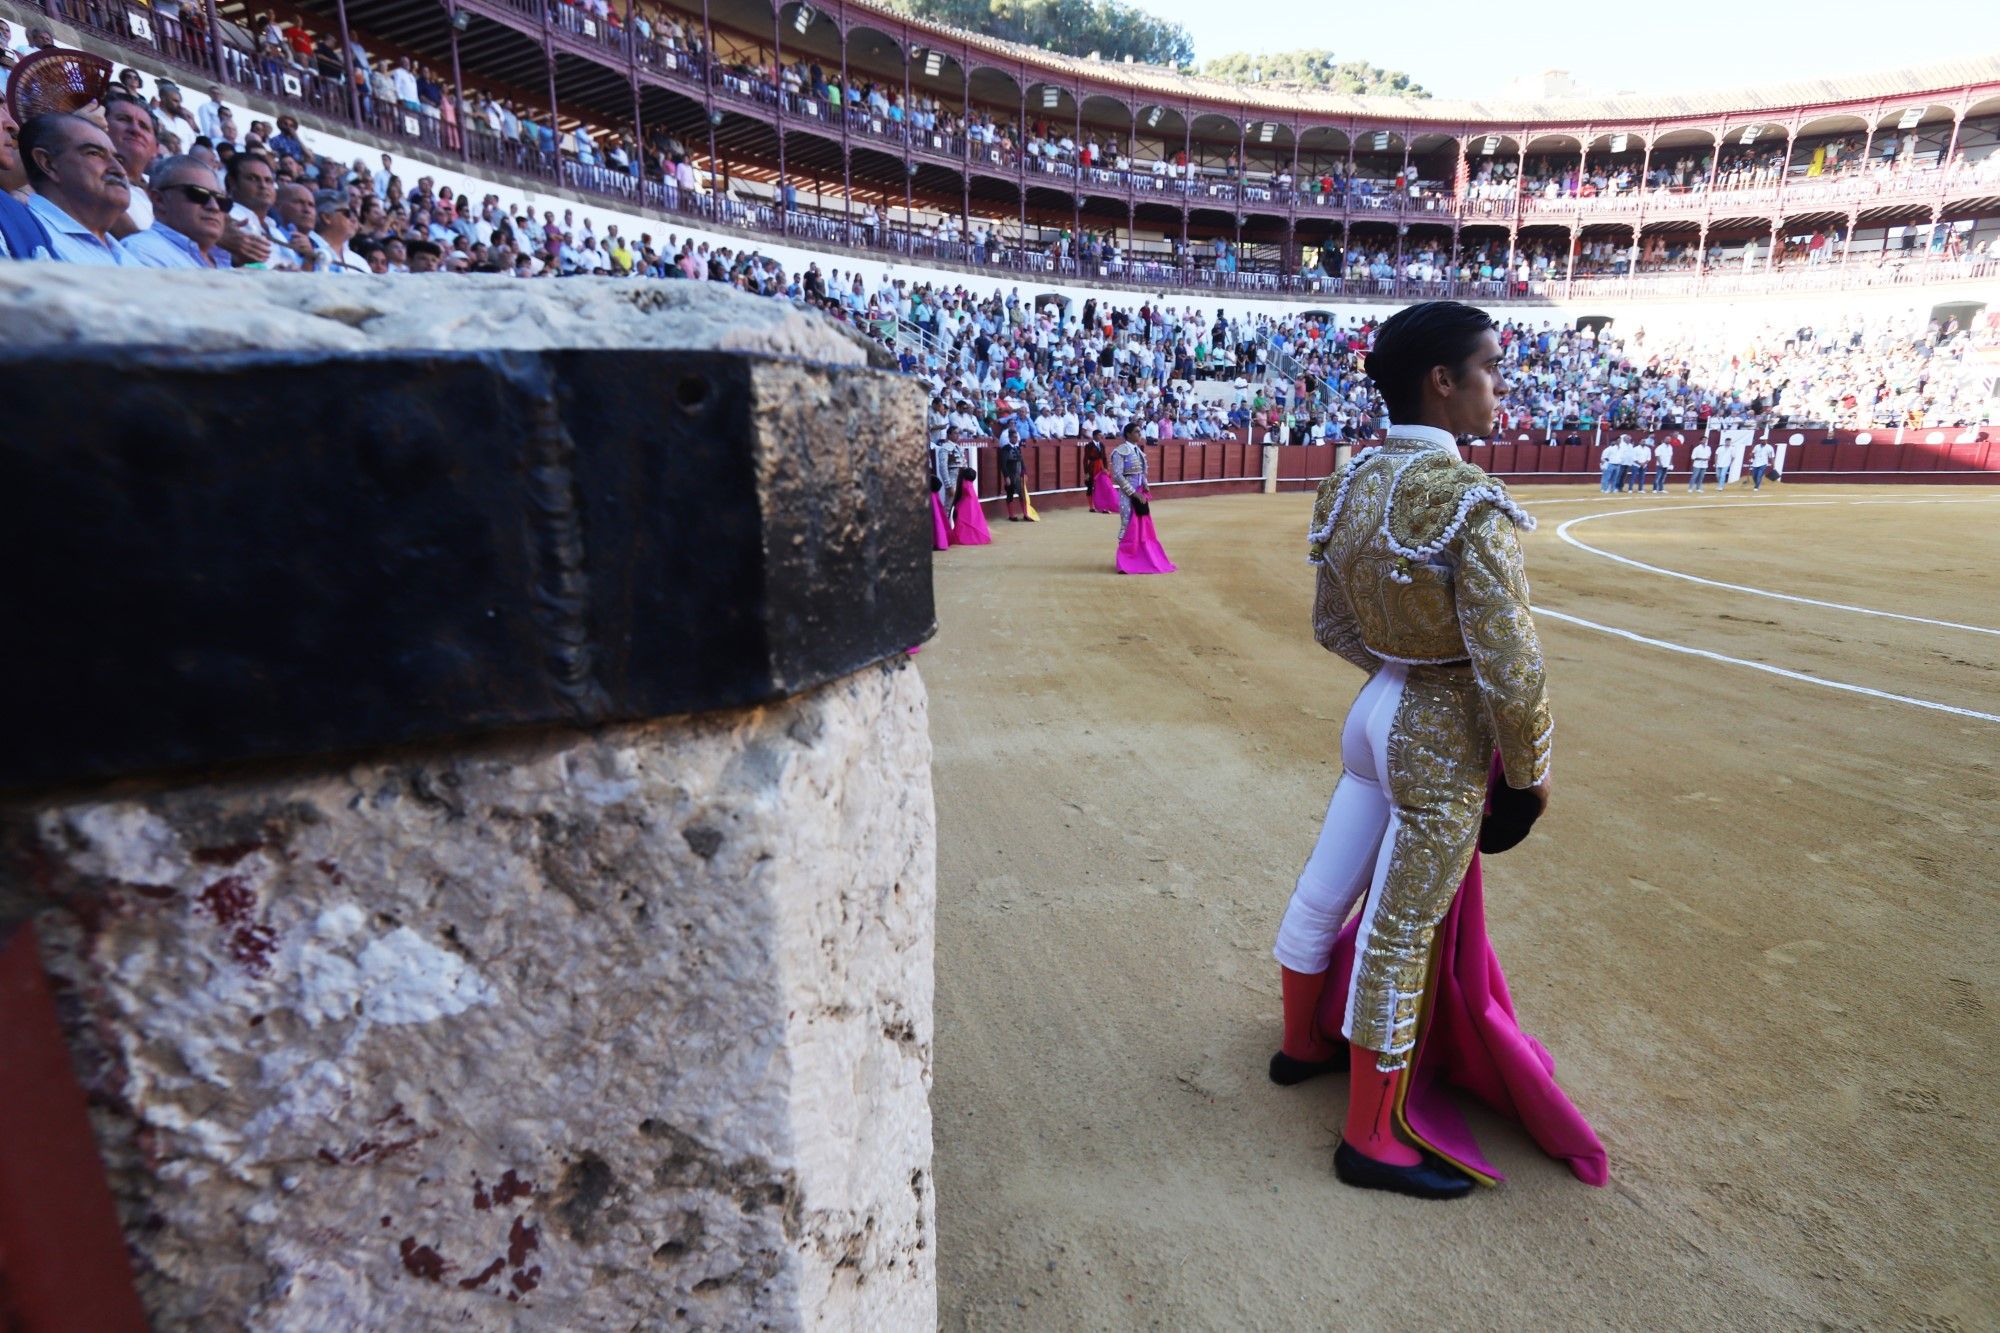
column 189, row 214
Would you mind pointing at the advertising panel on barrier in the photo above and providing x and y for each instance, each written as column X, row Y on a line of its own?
column 1732, row 450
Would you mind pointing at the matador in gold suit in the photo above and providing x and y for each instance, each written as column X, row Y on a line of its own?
column 1421, row 584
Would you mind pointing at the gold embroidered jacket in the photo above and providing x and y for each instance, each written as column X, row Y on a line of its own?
column 1419, row 563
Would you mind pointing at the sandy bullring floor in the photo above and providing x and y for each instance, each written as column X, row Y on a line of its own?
column 1757, row 929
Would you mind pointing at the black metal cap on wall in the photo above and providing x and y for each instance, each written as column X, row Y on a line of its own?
column 258, row 555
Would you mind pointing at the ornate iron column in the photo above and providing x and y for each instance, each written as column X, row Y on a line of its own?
column 346, row 54
column 457, row 79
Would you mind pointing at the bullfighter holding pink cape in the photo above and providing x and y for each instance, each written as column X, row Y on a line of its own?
column 1139, row 550
column 1421, row 584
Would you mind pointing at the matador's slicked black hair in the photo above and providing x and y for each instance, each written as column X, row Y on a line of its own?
column 1416, row 338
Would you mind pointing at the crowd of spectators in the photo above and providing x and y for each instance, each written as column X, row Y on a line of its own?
column 995, row 362
column 287, row 56
column 154, row 182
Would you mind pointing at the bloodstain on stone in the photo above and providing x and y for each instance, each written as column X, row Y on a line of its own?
column 421, row 1260
column 527, row 1279
column 505, row 1190
column 327, row 1155
column 229, row 900
column 227, row 855
column 331, row 871
column 484, row 1275
column 256, row 1020
column 512, row 1187
column 157, row 892
column 522, row 1241
column 252, row 946
column 385, row 1219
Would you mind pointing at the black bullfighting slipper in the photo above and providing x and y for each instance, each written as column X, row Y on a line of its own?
column 1287, row 1070
column 1428, row 1179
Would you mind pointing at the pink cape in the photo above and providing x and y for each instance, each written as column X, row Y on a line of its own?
column 1473, row 1041
column 940, row 525
column 1140, row 552
column 1103, row 495
column 969, row 520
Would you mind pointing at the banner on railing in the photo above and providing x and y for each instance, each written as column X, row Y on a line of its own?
column 293, row 88
column 139, row 26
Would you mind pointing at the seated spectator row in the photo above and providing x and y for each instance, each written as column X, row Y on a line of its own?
column 1199, row 211
column 81, row 190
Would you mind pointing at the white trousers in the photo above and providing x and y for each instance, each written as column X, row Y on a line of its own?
column 1351, row 858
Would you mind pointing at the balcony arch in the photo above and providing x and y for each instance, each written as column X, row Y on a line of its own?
column 873, row 54
column 937, row 73
column 1928, row 115
column 820, row 40
column 1052, row 103
column 1378, row 154
column 1107, row 115
column 996, row 89
column 1547, row 142
column 1214, row 142
column 1159, row 121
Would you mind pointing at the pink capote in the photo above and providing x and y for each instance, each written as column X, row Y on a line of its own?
column 1473, row 1041
column 940, row 525
column 1139, row 550
column 1103, row 495
column 969, row 520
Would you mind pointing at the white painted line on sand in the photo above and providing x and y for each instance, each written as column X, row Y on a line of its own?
column 1564, row 533
column 1766, row 667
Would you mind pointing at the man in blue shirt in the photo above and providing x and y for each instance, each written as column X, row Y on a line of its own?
column 189, row 213
column 286, row 141
column 80, row 189
column 22, row 236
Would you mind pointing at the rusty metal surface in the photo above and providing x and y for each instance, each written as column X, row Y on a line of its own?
column 265, row 555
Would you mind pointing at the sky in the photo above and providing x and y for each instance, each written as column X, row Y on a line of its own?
column 1474, row 48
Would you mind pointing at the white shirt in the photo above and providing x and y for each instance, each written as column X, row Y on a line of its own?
column 1702, row 453
column 1425, row 435
column 140, row 208
column 1663, row 453
column 1762, row 455
column 282, row 255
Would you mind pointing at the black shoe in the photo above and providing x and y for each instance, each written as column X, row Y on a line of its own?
column 1428, row 1179
column 1287, row 1070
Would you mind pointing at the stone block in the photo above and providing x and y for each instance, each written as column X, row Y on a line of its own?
column 472, row 793
column 626, row 1028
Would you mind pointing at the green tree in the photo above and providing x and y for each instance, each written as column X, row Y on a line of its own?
column 1314, row 69
column 1110, row 29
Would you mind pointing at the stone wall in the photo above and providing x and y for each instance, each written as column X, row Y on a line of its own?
column 555, row 1016
column 582, row 1031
